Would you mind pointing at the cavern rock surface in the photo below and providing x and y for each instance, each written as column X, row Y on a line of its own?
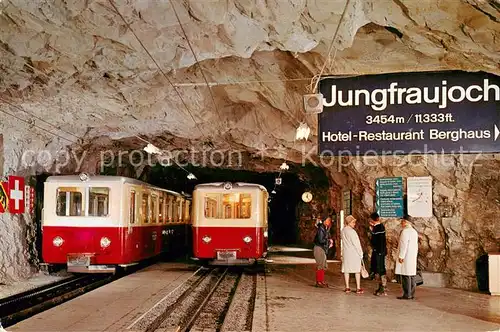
column 75, row 69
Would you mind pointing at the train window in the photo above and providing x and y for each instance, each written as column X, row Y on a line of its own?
column 145, row 208
column 211, row 205
column 232, row 206
column 237, row 206
column 170, row 208
column 98, row 202
column 69, row 202
column 154, row 212
column 132, row 207
column 187, row 214
column 175, row 212
column 161, row 207
column 181, row 210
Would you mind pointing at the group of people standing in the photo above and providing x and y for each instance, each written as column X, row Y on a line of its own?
column 352, row 255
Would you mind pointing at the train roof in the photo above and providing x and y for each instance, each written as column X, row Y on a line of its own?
column 233, row 184
column 106, row 178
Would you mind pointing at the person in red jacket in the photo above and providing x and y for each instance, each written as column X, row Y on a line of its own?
column 322, row 243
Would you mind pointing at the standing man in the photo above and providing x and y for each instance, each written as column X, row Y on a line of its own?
column 322, row 243
column 406, row 265
column 379, row 251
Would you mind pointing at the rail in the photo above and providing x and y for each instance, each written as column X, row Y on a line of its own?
column 21, row 306
column 220, row 299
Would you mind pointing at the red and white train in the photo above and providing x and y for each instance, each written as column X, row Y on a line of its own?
column 95, row 224
column 230, row 222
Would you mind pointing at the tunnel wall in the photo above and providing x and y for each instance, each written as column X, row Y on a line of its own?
column 466, row 206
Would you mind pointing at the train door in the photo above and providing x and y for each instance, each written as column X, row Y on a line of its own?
column 133, row 241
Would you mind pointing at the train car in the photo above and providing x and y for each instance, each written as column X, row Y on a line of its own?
column 96, row 224
column 230, row 223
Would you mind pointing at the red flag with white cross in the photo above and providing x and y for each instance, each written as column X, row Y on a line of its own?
column 16, row 194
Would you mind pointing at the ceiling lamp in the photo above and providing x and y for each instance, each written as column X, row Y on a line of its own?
column 150, row 148
column 273, row 192
column 284, row 166
column 303, row 131
column 191, row 176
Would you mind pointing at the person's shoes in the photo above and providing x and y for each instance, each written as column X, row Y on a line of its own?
column 321, row 285
column 360, row 291
column 380, row 291
column 347, row 290
column 404, row 298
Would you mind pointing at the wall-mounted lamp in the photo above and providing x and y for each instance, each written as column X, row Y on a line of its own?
column 303, row 131
column 150, row 148
column 284, row 166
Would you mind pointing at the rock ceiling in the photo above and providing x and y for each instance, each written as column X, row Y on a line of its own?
column 85, row 69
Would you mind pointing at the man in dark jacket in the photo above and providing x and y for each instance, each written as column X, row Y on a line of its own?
column 378, row 242
column 322, row 243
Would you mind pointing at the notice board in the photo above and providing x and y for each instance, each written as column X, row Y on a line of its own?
column 419, row 193
column 389, row 197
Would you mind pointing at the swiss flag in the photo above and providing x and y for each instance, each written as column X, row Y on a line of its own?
column 4, row 197
column 16, row 194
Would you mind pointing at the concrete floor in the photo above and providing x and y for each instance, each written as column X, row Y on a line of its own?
column 294, row 304
column 286, row 301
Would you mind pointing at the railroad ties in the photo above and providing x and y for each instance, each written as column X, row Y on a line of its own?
column 214, row 299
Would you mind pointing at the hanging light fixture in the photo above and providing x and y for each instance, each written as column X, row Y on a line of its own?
column 284, row 166
column 191, row 176
column 303, row 131
column 150, row 148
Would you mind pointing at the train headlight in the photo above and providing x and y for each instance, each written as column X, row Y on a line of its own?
column 57, row 241
column 247, row 239
column 105, row 242
column 265, row 234
column 206, row 239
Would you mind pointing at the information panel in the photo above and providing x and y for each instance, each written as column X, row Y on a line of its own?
column 389, row 197
column 419, row 193
column 410, row 113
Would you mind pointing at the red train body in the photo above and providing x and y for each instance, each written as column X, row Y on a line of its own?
column 99, row 223
column 230, row 223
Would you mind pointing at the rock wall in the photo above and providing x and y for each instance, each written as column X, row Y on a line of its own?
column 24, row 154
column 466, row 205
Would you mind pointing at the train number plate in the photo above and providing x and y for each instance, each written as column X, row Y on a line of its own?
column 226, row 255
column 78, row 260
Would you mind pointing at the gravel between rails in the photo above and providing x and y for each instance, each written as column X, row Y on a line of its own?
column 183, row 311
column 158, row 313
column 240, row 313
column 212, row 314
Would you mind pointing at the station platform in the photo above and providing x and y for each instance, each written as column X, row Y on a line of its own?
column 115, row 306
column 286, row 300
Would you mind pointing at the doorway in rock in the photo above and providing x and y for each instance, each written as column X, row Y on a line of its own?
column 283, row 219
column 40, row 180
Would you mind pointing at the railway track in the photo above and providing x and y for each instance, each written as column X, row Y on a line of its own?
column 18, row 307
column 218, row 299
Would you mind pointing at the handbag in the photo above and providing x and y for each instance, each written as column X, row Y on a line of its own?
column 364, row 273
column 419, row 280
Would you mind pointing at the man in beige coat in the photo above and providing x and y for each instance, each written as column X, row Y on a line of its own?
column 406, row 264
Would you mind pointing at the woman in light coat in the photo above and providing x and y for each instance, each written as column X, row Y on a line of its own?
column 352, row 254
column 406, row 264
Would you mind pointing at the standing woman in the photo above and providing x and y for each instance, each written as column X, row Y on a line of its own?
column 352, row 254
column 322, row 243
